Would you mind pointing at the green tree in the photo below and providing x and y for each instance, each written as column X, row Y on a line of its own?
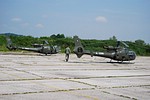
column 113, row 38
column 140, row 42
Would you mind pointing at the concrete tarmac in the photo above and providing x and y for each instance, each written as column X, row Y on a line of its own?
column 38, row 77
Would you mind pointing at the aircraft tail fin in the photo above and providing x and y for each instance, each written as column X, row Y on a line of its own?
column 9, row 44
column 78, row 50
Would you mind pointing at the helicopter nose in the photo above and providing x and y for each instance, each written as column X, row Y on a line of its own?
column 132, row 56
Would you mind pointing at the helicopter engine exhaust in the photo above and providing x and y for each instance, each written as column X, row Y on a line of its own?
column 79, row 51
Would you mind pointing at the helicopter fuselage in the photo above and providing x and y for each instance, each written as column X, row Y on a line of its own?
column 114, row 53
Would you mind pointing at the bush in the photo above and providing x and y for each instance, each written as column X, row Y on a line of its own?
column 139, row 46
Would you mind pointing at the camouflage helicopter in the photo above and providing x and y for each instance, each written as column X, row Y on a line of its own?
column 40, row 48
column 114, row 53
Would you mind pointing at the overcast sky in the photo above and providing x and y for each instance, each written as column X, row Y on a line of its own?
column 89, row 19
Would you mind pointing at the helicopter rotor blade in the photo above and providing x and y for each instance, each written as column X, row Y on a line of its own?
column 125, row 44
column 45, row 42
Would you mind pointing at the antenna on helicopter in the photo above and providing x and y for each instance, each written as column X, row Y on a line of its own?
column 118, row 43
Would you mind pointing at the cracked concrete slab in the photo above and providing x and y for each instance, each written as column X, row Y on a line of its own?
column 35, row 77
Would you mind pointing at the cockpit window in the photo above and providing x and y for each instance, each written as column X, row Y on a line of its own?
column 131, row 53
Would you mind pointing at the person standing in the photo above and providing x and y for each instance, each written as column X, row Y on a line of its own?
column 67, row 51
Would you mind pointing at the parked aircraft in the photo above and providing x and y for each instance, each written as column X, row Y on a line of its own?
column 117, row 53
column 40, row 48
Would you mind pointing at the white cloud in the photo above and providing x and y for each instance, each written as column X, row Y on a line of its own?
column 101, row 19
column 16, row 19
column 39, row 25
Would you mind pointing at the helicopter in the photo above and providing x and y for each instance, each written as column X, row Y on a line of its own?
column 114, row 53
column 40, row 48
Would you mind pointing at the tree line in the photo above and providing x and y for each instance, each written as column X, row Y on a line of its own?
column 139, row 46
